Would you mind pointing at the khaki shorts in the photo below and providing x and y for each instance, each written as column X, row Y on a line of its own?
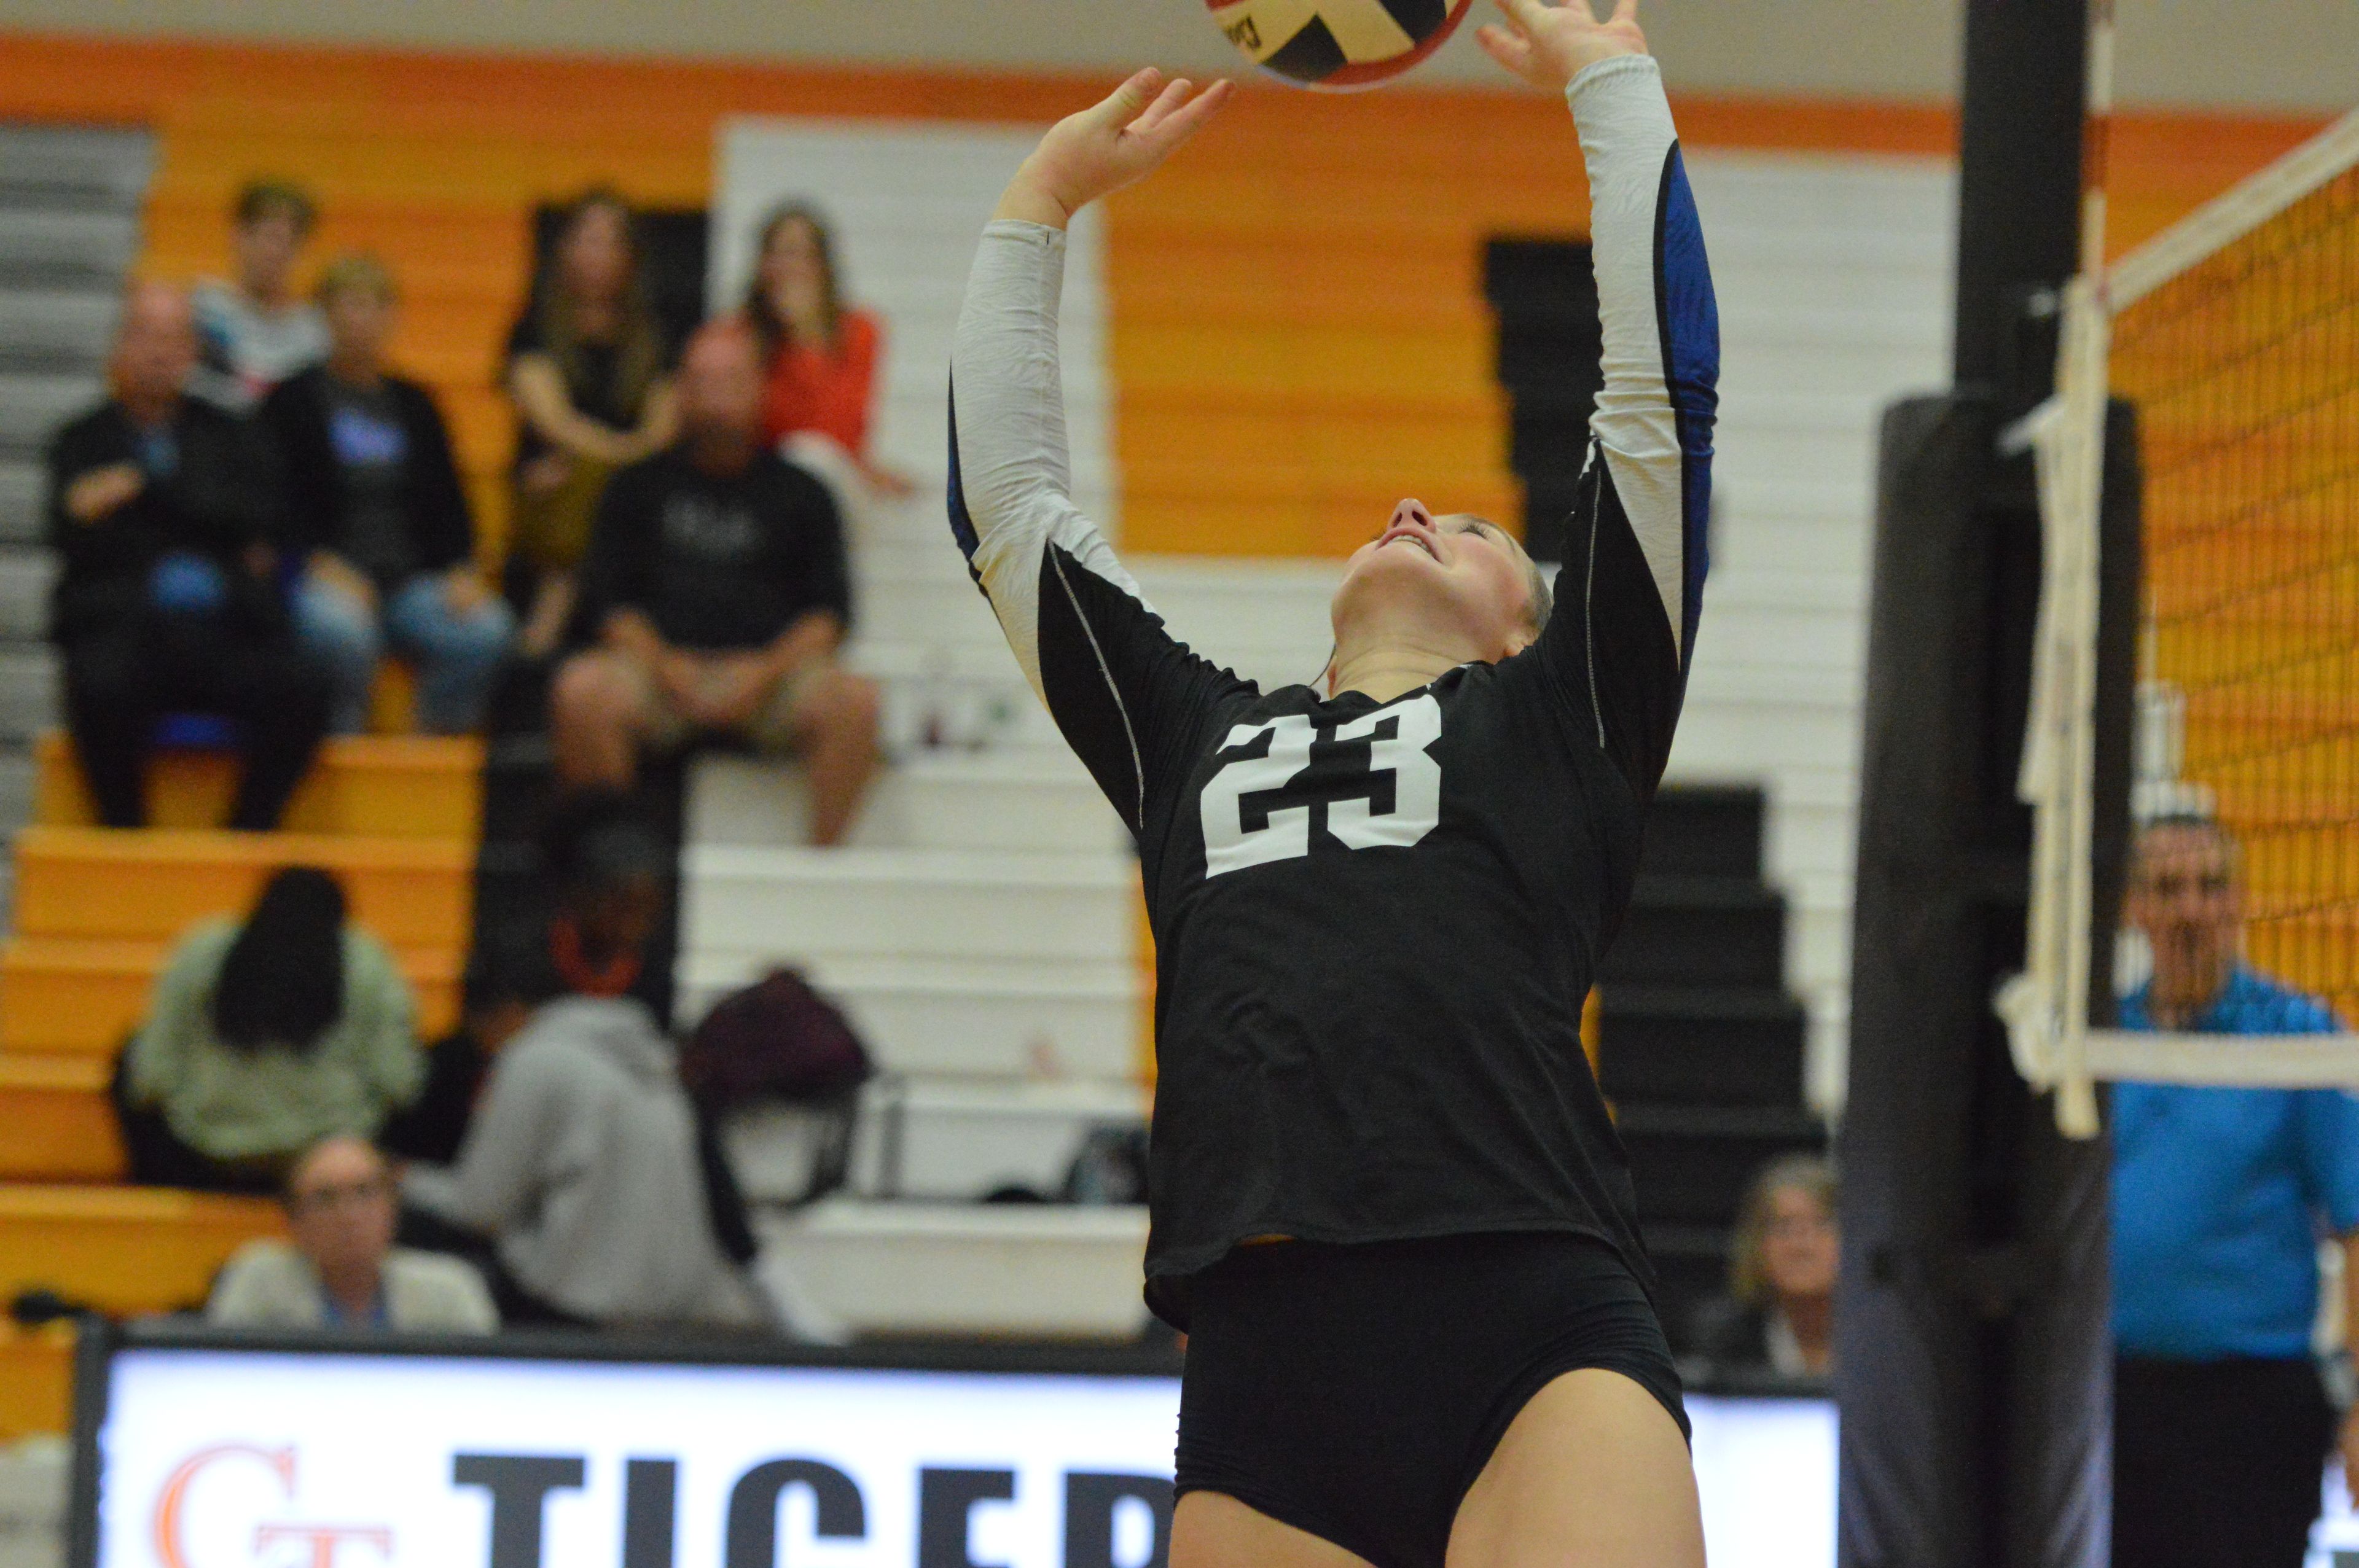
column 773, row 730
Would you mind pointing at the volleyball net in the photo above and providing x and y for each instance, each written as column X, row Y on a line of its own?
column 2234, row 337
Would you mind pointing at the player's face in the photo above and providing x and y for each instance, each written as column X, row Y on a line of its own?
column 1460, row 576
column 1798, row 1255
column 2183, row 895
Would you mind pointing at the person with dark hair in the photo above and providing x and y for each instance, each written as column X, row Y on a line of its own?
column 585, row 1164
column 717, row 582
column 2222, row 1422
column 267, row 1036
column 378, row 512
column 338, row 1267
column 508, row 974
column 257, row 330
column 589, row 373
column 1779, row 1315
column 161, row 509
column 820, row 355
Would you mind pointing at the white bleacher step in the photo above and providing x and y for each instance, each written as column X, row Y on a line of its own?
column 963, row 1139
column 985, row 1269
column 756, row 905
column 23, row 490
column 27, row 576
column 29, row 690
column 93, row 248
column 949, row 1018
column 75, row 164
column 33, row 405
column 947, row 1140
column 67, row 330
column 1032, row 799
column 19, row 777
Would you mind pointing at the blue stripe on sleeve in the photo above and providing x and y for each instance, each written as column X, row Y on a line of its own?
column 1688, row 320
column 962, row 525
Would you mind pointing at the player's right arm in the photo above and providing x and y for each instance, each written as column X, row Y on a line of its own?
column 1092, row 648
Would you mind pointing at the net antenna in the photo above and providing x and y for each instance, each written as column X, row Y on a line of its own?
column 2236, row 334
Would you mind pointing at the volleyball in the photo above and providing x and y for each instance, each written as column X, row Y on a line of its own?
column 1338, row 45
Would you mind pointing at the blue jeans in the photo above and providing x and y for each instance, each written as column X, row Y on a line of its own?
column 456, row 653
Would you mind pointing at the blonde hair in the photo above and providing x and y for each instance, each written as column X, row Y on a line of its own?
column 355, row 272
column 1807, row 1172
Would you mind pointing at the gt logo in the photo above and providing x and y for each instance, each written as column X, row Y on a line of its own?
column 1370, row 783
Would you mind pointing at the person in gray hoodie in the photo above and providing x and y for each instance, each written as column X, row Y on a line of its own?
column 583, row 1162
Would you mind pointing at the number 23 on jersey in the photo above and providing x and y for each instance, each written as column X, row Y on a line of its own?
column 1370, row 781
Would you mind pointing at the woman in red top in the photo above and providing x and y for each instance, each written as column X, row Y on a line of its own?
column 821, row 356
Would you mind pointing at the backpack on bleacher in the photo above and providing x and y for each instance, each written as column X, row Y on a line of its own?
column 778, row 1069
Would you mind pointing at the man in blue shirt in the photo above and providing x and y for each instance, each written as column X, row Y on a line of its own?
column 2221, row 1424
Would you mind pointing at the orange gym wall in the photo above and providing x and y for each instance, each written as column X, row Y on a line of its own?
column 1298, row 332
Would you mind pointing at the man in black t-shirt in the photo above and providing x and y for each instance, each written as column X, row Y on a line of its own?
column 161, row 509
column 717, row 581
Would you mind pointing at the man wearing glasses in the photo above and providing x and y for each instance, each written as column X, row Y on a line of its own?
column 339, row 1268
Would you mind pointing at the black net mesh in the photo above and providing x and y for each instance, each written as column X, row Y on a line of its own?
column 2245, row 369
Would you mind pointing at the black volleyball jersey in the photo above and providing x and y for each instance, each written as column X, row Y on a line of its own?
column 1375, row 923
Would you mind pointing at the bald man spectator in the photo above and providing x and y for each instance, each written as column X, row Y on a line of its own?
column 161, row 510
column 2221, row 1424
column 717, row 581
column 340, row 1268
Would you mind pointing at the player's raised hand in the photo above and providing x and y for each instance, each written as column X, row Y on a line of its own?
column 1109, row 145
column 1547, row 45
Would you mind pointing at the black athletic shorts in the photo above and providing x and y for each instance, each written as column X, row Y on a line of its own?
column 1356, row 1393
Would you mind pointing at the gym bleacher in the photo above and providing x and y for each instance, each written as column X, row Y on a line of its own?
column 1284, row 370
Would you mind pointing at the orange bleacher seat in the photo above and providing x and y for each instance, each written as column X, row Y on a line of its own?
column 36, row 1379
column 392, row 786
column 88, row 883
column 123, row 1250
column 56, row 1124
column 83, row 998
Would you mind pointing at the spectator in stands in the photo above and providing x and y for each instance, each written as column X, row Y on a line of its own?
column 2221, row 1422
column 376, row 510
column 1779, row 1315
column 586, row 1164
column 161, row 508
column 717, row 581
column 820, row 356
column 508, row 976
column 339, row 1269
column 256, row 331
column 587, row 367
column 267, row 1036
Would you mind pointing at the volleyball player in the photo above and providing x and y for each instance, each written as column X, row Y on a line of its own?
column 1388, row 1204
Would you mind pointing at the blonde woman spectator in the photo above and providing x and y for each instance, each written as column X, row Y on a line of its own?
column 588, row 370
column 267, row 1036
column 256, row 330
column 339, row 1268
column 1779, row 1315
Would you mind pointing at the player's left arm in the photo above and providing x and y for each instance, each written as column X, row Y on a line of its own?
column 1631, row 591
